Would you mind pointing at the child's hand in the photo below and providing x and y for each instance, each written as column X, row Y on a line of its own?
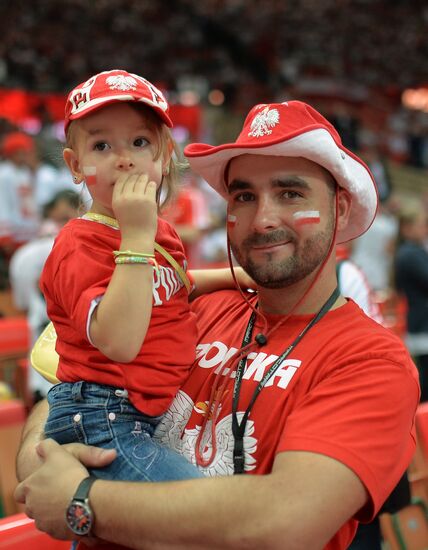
column 244, row 280
column 134, row 206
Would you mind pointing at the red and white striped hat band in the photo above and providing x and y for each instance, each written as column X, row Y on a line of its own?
column 112, row 87
column 294, row 129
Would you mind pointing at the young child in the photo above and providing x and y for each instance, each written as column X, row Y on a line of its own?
column 115, row 282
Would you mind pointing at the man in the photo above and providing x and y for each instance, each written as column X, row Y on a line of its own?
column 353, row 284
column 324, row 402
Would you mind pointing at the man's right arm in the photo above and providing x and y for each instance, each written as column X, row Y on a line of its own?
column 27, row 460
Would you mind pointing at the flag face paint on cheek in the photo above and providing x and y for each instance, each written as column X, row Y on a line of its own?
column 90, row 173
column 231, row 220
column 305, row 217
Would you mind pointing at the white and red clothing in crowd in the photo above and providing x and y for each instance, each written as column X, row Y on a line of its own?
column 74, row 280
column 19, row 216
column 189, row 210
column 23, row 194
column 327, row 397
column 353, row 284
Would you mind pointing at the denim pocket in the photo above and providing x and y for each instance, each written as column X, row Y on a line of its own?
column 84, row 425
column 93, row 414
column 65, row 428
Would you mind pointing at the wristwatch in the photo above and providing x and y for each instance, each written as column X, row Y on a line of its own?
column 79, row 515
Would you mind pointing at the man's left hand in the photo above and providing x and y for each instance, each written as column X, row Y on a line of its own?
column 47, row 492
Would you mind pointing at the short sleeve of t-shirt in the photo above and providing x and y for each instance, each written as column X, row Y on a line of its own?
column 75, row 274
column 348, row 417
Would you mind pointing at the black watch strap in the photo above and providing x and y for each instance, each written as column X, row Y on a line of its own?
column 84, row 487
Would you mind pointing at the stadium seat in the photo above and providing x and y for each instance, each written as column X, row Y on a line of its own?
column 418, row 469
column 14, row 337
column 407, row 529
column 18, row 532
column 12, row 418
column 15, row 341
column 422, row 427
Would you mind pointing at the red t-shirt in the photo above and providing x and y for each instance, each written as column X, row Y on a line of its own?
column 348, row 390
column 77, row 273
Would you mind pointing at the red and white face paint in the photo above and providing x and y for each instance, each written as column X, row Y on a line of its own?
column 90, row 173
column 305, row 217
column 231, row 221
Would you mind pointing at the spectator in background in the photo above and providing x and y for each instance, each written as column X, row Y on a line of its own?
column 411, row 279
column 379, row 167
column 27, row 186
column 189, row 215
column 353, row 283
column 26, row 266
column 373, row 251
column 19, row 217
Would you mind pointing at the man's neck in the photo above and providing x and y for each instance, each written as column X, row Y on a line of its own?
column 282, row 301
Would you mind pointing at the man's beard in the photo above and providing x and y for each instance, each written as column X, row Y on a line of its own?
column 271, row 273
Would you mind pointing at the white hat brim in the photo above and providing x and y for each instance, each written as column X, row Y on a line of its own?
column 316, row 145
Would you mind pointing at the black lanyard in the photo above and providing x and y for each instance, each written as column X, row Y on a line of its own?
column 238, row 429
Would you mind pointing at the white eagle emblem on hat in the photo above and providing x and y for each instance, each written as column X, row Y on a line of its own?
column 121, row 82
column 263, row 121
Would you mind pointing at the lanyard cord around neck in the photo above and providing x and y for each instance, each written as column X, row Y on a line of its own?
column 238, row 429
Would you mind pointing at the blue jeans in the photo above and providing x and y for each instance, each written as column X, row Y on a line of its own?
column 98, row 415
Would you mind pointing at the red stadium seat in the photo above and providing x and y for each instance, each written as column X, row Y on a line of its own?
column 15, row 342
column 12, row 418
column 418, row 469
column 422, row 428
column 19, row 532
column 14, row 338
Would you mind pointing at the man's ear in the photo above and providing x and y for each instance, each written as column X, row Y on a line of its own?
column 71, row 160
column 344, row 208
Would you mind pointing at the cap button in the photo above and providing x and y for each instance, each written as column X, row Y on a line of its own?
column 342, row 154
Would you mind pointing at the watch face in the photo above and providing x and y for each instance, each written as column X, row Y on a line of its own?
column 79, row 518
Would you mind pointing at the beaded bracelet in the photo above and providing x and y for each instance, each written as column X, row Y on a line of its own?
column 137, row 260
column 127, row 253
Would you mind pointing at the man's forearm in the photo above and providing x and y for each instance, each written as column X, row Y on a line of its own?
column 301, row 504
column 304, row 501
column 27, row 459
column 190, row 514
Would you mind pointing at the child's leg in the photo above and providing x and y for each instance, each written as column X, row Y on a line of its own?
column 140, row 457
column 104, row 417
column 67, row 406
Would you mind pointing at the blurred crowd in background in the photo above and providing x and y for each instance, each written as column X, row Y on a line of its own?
column 362, row 53
column 362, row 63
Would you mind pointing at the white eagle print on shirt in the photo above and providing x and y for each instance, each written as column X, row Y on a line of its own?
column 170, row 433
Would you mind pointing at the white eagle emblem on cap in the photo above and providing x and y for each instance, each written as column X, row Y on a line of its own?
column 121, row 82
column 263, row 121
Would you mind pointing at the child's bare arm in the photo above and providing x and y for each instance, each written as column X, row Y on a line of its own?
column 120, row 322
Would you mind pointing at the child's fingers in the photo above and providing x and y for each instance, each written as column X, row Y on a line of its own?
column 129, row 185
column 146, row 188
column 150, row 191
column 119, row 185
column 140, row 184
